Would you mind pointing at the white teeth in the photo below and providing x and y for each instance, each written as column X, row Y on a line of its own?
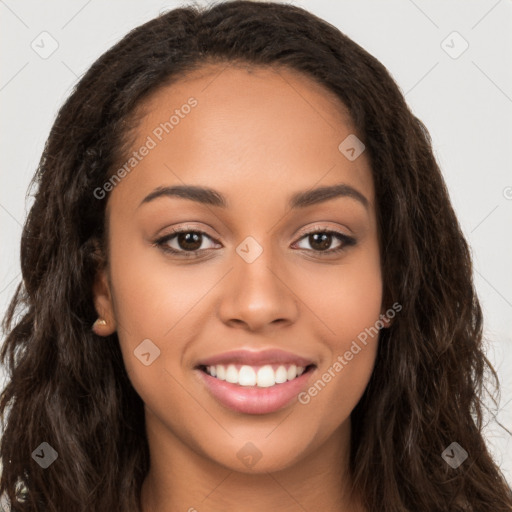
column 262, row 377
column 281, row 375
column 231, row 374
column 221, row 372
column 247, row 376
column 266, row 377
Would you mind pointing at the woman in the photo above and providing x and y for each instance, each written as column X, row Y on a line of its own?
column 244, row 287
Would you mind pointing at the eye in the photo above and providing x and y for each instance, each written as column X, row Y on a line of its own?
column 188, row 242
column 184, row 241
column 321, row 240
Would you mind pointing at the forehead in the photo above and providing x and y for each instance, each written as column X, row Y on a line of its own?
column 250, row 131
column 238, row 81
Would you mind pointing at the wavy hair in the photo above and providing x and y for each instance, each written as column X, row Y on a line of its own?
column 68, row 387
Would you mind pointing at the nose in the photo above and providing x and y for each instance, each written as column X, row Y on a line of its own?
column 258, row 295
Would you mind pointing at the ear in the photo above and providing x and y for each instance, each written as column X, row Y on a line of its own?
column 106, row 323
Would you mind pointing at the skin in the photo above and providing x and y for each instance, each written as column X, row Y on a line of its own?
column 257, row 136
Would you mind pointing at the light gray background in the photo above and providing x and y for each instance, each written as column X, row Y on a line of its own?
column 465, row 102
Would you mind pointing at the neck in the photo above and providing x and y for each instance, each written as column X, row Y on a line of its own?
column 181, row 479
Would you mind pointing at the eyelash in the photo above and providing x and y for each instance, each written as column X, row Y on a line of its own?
column 346, row 240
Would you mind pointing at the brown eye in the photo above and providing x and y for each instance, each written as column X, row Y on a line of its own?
column 321, row 241
column 185, row 242
column 190, row 241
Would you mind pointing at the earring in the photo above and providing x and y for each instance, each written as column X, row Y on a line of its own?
column 98, row 322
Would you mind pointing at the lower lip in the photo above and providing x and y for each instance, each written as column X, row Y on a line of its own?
column 254, row 400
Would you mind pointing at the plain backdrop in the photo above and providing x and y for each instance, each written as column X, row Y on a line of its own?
column 451, row 59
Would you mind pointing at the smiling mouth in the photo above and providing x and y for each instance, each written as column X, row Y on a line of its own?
column 264, row 376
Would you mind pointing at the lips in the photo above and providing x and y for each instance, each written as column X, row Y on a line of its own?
column 255, row 382
column 253, row 399
column 256, row 358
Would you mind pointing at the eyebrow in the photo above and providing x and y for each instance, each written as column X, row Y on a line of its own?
column 211, row 197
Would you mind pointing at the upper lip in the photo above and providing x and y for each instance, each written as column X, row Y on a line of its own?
column 256, row 358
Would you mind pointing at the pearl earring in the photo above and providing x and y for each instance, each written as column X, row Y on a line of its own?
column 99, row 321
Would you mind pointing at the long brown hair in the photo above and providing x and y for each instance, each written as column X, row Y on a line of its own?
column 69, row 388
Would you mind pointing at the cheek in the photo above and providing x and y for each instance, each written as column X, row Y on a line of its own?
column 151, row 293
column 347, row 301
column 148, row 302
column 161, row 301
column 346, row 297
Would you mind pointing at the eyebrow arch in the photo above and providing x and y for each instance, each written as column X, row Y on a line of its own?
column 205, row 195
column 321, row 194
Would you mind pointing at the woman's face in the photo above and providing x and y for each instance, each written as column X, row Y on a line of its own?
column 264, row 277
